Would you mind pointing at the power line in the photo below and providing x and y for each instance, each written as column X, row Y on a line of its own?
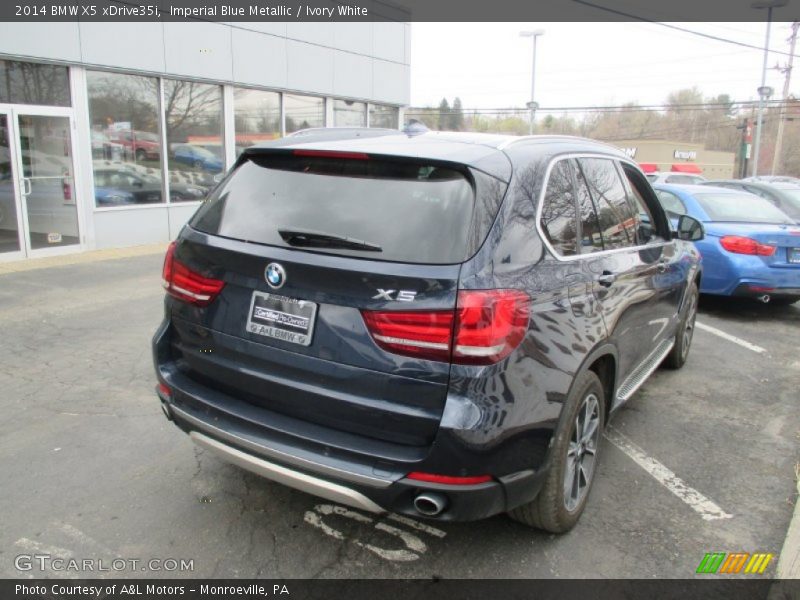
column 683, row 29
column 630, row 108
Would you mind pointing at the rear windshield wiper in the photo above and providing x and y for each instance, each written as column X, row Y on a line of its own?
column 319, row 239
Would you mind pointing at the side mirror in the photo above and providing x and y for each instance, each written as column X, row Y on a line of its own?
column 690, row 229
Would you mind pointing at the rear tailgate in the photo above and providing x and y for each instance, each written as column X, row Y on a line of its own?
column 332, row 373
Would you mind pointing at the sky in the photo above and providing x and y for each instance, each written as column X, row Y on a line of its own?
column 488, row 65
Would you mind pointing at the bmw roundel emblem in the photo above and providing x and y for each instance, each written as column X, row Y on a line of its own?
column 275, row 275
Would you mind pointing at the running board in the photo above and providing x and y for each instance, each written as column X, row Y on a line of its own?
column 644, row 370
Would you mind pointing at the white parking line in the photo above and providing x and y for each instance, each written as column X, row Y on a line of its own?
column 730, row 338
column 705, row 507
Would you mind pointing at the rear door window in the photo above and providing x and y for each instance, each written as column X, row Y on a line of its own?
column 615, row 214
column 646, row 224
column 412, row 212
column 591, row 236
column 559, row 214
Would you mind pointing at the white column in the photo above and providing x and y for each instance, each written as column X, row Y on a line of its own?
column 329, row 112
column 229, row 125
column 83, row 175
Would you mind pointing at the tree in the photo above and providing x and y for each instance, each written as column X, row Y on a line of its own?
column 444, row 114
column 456, row 116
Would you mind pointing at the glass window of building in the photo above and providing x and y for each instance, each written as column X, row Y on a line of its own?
column 348, row 113
column 126, row 144
column 31, row 83
column 257, row 117
column 196, row 150
column 303, row 112
column 383, row 116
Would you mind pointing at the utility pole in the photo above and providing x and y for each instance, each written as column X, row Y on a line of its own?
column 532, row 106
column 744, row 148
column 776, row 159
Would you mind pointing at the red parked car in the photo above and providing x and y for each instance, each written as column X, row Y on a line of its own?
column 142, row 145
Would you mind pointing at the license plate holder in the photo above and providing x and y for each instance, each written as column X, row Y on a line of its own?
column 282, row 318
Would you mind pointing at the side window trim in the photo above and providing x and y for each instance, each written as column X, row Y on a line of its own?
column 540, row 205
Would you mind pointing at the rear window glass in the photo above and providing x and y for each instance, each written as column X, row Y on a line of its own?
column 683, row 179
column 412, row 212
column 791, row 204
column 740, row 208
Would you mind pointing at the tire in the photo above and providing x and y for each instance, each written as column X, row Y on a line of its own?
column 198, row 164
column 554, row 509
column 683, row 337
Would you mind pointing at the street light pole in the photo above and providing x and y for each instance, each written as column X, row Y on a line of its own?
column 532, row 104
column 769, row 5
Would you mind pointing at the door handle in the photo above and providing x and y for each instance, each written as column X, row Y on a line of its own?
column 606, row 279
column 26, row 186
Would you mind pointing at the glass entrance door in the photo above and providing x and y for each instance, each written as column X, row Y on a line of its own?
column 47, row 181
column 11, row 243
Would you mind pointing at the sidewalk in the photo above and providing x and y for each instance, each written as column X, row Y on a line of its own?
column 80, row 258
column 789, row 560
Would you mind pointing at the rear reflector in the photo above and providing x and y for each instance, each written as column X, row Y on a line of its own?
column 187, row 285
column 745, row 245
column 332, row 154
column 485, row 328
column 448, row 479
column 163, row 390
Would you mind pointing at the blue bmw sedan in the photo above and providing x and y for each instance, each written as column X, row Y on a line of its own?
column 751, row 248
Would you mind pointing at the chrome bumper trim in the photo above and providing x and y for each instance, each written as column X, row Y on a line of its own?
column 295, row 479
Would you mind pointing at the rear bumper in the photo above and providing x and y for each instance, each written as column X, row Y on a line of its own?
column 357, row 471
column 761, row 289
column 337, row 480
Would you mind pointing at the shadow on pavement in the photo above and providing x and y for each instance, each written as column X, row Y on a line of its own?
column 745, row 309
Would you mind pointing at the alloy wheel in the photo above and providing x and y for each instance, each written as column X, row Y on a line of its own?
column 582, row 452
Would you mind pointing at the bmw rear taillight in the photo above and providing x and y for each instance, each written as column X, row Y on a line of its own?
column 187, row 285
column 422, row 334
column 745, row 245
column 486, row 326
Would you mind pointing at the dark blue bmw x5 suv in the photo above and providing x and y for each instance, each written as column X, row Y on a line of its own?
column 433, row 324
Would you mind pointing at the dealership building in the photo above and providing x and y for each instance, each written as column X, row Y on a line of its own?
column 679, row 157
column 112, row 133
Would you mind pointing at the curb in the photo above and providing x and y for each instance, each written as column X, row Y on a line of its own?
column 789, row 559
column 91, row 256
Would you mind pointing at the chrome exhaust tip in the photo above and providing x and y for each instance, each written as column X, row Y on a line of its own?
column 430, row 505
column 165, row 409
column 765, row 298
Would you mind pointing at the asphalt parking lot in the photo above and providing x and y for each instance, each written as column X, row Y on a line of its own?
column 700, row 460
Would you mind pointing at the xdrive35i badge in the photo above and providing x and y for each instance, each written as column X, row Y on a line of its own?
column 275, row 275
